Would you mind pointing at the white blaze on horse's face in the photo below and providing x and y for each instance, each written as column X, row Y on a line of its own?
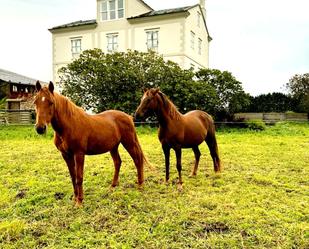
column 44, row 108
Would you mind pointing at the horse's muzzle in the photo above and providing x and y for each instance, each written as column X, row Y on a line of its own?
column 40, row 129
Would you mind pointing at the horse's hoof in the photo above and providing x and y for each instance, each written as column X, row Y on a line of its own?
column 114, row 184
column 179, row 187
column 78, row 204
column 192, row 175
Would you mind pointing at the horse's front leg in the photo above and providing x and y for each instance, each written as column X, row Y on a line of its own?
column 79, row 159
column 178, row 165
column 69, row 159
column 166, row 150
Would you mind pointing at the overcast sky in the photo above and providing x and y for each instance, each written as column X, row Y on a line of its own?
column 262, row 42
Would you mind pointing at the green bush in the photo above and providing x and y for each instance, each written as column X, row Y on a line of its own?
column 257, row 125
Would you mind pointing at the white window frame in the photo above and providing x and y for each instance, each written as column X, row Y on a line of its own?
column 152, row 39
column 76, row 46
column 199, row 46
column 14, row 88
column 112, row 42
column 109, row 12
column 192, row 39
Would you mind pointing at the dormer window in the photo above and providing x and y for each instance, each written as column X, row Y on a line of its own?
column 111, row 9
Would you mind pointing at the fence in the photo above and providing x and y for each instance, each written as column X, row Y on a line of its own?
column 26, row 117
column 273, row 117
column 12, row 117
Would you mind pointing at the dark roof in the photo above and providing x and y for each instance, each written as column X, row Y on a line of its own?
column 164, row 12
column 75, row 24
column 8, row 76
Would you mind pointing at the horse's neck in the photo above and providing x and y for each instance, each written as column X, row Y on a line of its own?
column 167, row 113
column 64, row 118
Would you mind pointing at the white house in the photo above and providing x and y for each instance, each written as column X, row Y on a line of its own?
column 179, row 34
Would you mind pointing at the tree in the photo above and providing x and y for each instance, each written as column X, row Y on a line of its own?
column 271, row 102
column 231, row 97
column 101, row 81
column 298, row 87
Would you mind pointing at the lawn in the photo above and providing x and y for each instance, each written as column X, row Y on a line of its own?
column 260, row 200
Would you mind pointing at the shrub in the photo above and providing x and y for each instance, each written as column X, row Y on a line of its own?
column 257, row 125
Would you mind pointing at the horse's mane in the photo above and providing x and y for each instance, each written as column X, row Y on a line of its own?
column 67, row 106
column 172, row 109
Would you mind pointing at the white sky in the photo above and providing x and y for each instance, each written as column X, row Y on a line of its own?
column 262, row 42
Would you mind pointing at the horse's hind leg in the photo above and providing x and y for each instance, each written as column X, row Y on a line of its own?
column 178, row 165
column 213, row 148
column 133, row 147
column 117, row 163
column 197, row 155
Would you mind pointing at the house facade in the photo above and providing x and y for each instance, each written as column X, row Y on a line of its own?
column 18, row 90
column 179, row 34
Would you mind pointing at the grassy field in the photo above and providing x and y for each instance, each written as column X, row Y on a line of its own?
column 261, row 200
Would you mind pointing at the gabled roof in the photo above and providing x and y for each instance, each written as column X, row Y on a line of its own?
column 146, row 4
column 75, row 24
column 8, row 76
column 164, row 12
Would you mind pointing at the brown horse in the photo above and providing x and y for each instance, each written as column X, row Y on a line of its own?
column 78, row 134
column 179, row 131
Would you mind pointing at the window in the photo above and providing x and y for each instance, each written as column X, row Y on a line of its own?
column 199, row 19
column 192, row 39
column 152, row 40
column 199, row 46
column 112, row 42
column 76, row 46
column 120, row 9
column 111, row 9
column 14, row 88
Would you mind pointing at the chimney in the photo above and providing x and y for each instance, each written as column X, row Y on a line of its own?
column 202, row 3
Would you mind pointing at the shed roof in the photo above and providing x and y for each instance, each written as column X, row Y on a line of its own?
column 9, row 76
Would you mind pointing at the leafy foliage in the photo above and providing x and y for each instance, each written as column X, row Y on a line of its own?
column 257, row 125
column 271, row 102
column 231, row 97
column 99, row 81
column 3, row 103
column 298, row 87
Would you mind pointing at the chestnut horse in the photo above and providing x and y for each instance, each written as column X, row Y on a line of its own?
column 77, row 134
column 179, row 131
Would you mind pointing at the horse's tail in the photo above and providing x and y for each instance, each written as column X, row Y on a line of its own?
column 213, row 146
column 143, row 157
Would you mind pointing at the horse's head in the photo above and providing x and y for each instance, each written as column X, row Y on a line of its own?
column 44, row 106
column 148, row 103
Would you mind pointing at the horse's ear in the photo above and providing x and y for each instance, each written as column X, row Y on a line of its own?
column 38, row 86
column 145, row 89
column 51, row 87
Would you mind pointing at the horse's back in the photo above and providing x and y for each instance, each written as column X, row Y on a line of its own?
column 197, row 124
column 198, row 117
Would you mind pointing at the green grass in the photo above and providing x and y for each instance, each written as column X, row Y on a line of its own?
column 261, row 200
